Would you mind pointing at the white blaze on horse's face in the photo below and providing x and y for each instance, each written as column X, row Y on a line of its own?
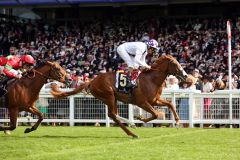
column 184, row 75
column 183, row 72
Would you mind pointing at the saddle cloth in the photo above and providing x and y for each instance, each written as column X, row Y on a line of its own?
column 122, row 81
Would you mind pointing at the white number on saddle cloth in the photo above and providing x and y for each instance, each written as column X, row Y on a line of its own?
column 121, row 80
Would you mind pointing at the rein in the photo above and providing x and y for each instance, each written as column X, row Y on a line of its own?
column 58, row 75
column 40, row 73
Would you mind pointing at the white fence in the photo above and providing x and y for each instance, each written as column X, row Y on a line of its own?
column 221, row 107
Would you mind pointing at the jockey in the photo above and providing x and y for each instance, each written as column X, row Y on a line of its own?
column 15, row 65
column 134, row 54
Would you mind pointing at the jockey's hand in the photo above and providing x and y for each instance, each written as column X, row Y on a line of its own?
column 147, row 67
column 18, row 76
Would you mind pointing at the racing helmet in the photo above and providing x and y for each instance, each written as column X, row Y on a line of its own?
column 28, row 59
column 152, row 43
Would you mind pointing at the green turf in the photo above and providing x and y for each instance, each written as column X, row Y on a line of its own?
column 101, row 143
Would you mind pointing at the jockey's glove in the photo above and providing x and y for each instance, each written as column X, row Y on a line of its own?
column 148, row 67
column 19, row 75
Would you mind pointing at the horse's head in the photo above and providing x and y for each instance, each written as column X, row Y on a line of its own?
column 57, row 73
column 170, row 65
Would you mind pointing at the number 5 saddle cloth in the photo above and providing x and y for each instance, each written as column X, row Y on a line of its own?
column 124, row 83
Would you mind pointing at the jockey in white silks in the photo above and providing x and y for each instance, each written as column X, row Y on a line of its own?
column 134, row 54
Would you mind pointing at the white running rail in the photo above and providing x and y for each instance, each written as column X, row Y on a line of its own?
column 193, row 108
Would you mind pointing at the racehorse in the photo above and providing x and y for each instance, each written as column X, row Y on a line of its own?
column 146, row 95
column 23, row 93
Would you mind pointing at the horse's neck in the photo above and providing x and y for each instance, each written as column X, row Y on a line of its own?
column 157, row 77
column 37, row 82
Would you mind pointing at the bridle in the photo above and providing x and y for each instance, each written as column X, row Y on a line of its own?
column 53, row 70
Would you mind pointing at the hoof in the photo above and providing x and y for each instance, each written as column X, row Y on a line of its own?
column 177, row 125
column 140, row 117
column 135, row 136
column 133, row 126
column 7, row 132
column 136, row 117
column 27, row 130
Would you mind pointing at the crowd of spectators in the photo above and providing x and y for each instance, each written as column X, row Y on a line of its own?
column 85, row 49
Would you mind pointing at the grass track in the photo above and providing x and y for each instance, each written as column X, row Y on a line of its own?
column 93, row 143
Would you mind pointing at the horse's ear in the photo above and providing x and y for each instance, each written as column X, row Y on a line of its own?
column 40, row 63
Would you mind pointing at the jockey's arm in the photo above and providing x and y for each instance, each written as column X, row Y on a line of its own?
column 140, row 59
column 10, row 72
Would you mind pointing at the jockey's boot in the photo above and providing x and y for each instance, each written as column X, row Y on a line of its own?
column 129, row 85
column 3, row 91
column 132, row 77
column 3, row 84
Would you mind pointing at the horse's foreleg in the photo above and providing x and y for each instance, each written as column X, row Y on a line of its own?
column 34, row 111
column 149, row 108
column 13, row 113
column 112, row 112
column 162, row 102
column 128, row 132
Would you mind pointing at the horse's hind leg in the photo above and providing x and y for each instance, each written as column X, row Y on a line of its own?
column 34, row 111
column 13, row 113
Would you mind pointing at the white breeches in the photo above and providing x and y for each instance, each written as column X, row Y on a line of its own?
column 127, row 58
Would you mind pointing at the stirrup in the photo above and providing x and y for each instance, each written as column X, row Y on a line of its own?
column 134, row 84
column 131, row 84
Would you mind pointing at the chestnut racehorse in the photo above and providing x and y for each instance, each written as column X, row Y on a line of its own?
column 23, row 93
column 146, row 95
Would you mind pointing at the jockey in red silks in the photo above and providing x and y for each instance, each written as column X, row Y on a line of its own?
column 14, row 66
column 134, row 54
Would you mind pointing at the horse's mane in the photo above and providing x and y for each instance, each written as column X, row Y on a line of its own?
column 165, row 57
column 161, row 58
column 40, row 64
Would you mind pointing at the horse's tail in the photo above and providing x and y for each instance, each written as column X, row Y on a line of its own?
column 59, row 94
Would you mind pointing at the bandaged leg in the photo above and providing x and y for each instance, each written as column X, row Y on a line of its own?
column 131, row 124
